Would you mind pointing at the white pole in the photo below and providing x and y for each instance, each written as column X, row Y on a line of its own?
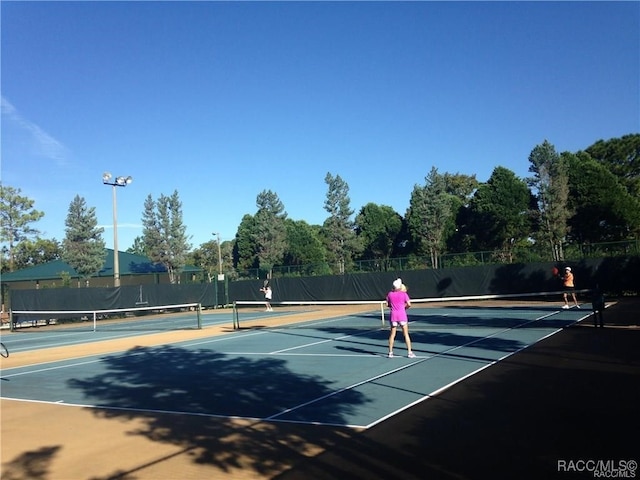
column 116, row 260
column 219, row 254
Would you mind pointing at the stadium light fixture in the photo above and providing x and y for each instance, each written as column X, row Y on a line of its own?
column 117, row 182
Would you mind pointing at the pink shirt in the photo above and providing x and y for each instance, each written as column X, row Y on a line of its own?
column 397, row 300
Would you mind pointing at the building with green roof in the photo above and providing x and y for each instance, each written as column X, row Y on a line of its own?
column 134, row 270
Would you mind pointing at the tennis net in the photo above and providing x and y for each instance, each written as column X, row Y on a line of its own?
column 424, row 312
column 161, row 317
column 254, row 315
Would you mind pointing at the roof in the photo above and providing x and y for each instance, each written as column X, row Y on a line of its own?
column 129, row 263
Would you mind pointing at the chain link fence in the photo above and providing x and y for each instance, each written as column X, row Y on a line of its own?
column 572, row 253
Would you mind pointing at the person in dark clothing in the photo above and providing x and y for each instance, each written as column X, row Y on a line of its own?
column 598, row 305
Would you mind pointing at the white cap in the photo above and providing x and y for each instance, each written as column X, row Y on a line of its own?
column 568, row 269
column 397, row 284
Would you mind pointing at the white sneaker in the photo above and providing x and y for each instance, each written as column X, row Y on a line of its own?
column 411, row 355
column 566, row 307
column 390, row 355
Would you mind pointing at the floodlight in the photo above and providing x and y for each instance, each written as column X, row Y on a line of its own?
column 118, row 182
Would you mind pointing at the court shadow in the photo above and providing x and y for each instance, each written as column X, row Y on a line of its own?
column 373, row 342
column 363, row 351
column 33, row 465
column 571, row 396
column 489, row 318
column 189, row 398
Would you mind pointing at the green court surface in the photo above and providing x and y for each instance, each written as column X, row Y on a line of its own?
column 332, row 371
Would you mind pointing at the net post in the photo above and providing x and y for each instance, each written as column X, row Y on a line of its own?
column 11, row 320
column 236, row 322
column 95, row 320
column 199, row 316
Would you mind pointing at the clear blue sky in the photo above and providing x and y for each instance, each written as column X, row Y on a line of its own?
column 222, row 100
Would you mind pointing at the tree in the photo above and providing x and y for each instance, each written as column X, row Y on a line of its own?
column 500, row 212
column 164, row 233
column 429, row 215
column 621, row 156
column 244, row 251
column 604, row 210
column 138, row 247
column 551, row 182
column 269, row 234
column 378, row 227
column 16, row 216
column 29, row 253
column 83, row 247
column 206, row 257
column 460, row 188
column 338, row 230
column 304, row 246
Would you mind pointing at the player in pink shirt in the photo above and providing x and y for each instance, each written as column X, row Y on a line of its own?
column 398, row 301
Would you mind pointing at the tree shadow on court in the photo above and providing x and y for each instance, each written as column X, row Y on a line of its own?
column 375, row 341
column 462, row 316
column 520, row 419
column 571, row 397
column 34, row 465
column 503, row 318
column 188, row 398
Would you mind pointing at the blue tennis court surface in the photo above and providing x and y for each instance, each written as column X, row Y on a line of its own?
column 33, row 338
column 330, row 372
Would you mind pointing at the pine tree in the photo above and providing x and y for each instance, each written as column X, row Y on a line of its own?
column 83, row 247
column 339, row 229
column 164, row 233
column 429, row 214
column 16, row 215
column 551, row 182
column 269, row 233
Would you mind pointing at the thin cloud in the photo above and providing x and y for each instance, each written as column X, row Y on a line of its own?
column 42, row 144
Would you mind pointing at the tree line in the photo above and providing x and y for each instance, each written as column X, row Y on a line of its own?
column 590, row 196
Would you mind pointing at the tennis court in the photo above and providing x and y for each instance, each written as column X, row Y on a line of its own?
column 309, row 366
column 327, row 371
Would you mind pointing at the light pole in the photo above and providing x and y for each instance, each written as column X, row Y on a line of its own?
column 117, row 182
column 219, row 254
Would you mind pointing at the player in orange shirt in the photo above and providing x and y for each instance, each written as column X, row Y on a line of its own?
column 569, row 288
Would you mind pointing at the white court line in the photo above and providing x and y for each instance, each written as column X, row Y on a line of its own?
column 328, row 340
column 57, row 367
column 421, row 360
column 131, row 409
column 109, row 334
column 461, row 379
column 275, row 416
column 337, row 355
column 344, row 389
column 80, row 342
column 117, row 352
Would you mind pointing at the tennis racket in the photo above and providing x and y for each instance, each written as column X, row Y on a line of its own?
column 3, row 350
